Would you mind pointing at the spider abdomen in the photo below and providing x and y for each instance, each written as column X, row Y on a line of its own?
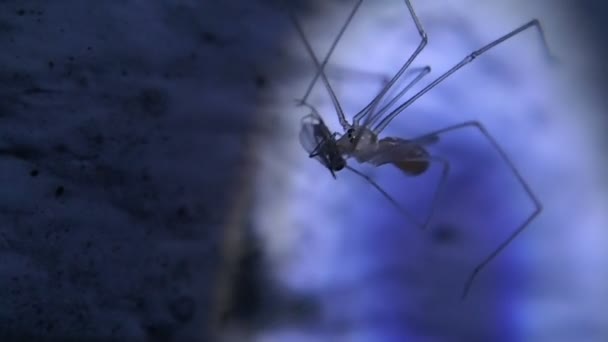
column 412, row 168
column 411, row 158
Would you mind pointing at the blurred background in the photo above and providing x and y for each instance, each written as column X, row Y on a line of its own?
column 153, row 187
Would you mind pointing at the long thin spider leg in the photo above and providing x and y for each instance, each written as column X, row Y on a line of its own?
column 537, row 205
column 445, row 170
column 332, row 95
column 331, row 50
column 311, row 107
column 421, row 45
column 468, row 59
column 373, row 117
column 404, row 212
column 444, row 174
column 365, row 109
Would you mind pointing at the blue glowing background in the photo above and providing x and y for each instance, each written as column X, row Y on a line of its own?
column 381, row 280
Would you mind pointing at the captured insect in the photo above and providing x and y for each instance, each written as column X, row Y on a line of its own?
column 360, row 139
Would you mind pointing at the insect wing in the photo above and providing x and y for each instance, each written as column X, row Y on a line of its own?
column 313, row 134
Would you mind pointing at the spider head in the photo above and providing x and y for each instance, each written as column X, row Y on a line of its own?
column 356, row 138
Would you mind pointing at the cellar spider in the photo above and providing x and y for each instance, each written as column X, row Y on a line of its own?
column 361, row 137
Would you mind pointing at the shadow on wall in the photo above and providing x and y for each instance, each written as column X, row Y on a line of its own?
column 592, row 14
column 123, row 146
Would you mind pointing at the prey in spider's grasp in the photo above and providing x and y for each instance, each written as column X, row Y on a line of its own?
column 360, row 139
column 408, row 155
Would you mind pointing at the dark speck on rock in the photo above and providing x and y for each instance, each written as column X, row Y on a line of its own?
column 260, row 81
column 34, row 91
column 21, row 12
column 83, row 82
column 59, row 191
column 60, row 148
column 182, row 212
column 209, row 38
column 34, row 173
column 159, row 331
column 98, row 139
column 444, row 234
column 154, row 102
column 182, row 308
column 24, row 152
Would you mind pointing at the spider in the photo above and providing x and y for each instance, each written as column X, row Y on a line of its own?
column 360, row 139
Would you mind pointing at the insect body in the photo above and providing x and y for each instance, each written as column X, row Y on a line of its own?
column 361, row 141
column 320, row 143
